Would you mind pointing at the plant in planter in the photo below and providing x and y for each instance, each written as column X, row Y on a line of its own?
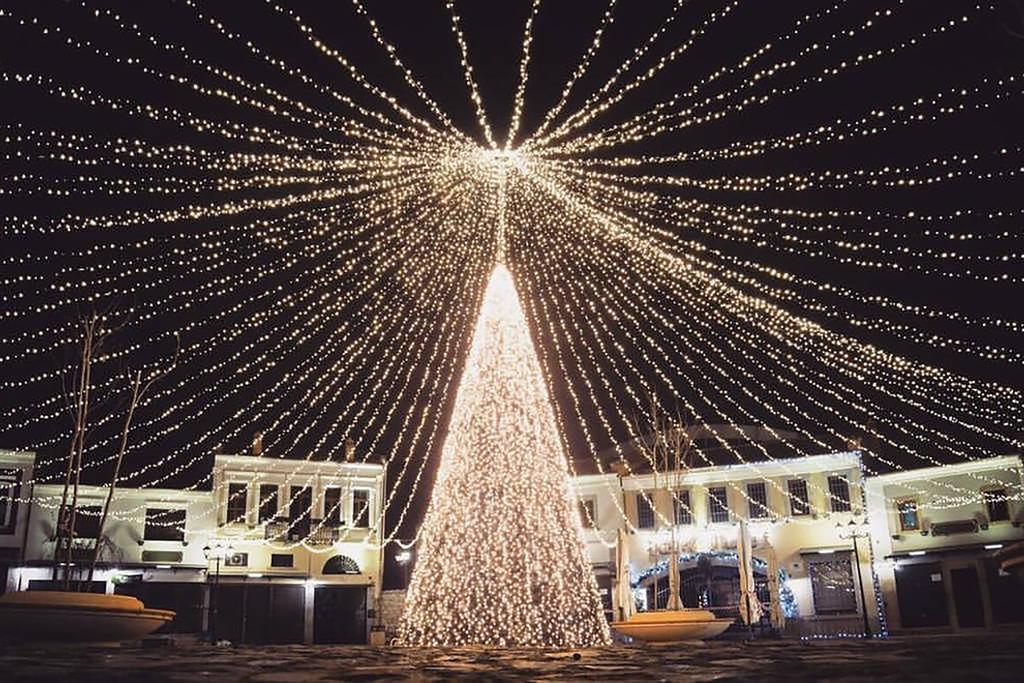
column 74, row 613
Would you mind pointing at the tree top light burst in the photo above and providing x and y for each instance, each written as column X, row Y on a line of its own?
column 805, row 217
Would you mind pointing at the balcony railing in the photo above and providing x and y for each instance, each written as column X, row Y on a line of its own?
column 312, row 531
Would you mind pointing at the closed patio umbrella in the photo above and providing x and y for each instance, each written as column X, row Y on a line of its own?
column 776, row 615
column 623, row 591
column 750, row 606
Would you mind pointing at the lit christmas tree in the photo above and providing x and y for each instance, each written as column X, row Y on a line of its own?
column 501, row 559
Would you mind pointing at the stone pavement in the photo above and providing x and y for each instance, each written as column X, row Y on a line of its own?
column 932, row 658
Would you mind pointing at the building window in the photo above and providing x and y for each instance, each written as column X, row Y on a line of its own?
column 588, row 513
column 644, row 512
column 164, row 525
column 87, row 521
column 10, row 489
column 906, row 510
column 332, row 506
column 757, row 492
column 798, row 501
column 839, row 493
column 996, row 505
column 832, row 583
column 238, row 501
column 300, row 508
column 360, row 508
column 683, row 512
column 718, row 504
column 268, row 502
column 282, row 560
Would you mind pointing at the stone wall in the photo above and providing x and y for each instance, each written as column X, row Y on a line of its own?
column 391, row 604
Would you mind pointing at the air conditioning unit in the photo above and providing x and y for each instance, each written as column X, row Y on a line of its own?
column 237, row 560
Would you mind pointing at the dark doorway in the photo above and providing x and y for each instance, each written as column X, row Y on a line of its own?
column 921, row 595
column 261, row 613
column 339, row 614
column 274, row 613
column 185, row 599
column 1006, row 595
column 967, row 597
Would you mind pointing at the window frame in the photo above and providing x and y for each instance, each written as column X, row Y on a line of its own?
column 585, row 505
column 10, row 489
column 361, row 520
column 682, row 508
column 760, row 510
column 163, row 512
column 264, row 505
column 898, row 503
column 231, row 502
column 644, row 507
column 723, row 502
column 1005, row 503
column 833, row 494
column 804, row 501
column 335, row 517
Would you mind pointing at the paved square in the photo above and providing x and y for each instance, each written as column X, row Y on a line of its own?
column 939, row 658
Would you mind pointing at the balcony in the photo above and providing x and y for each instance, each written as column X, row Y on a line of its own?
column 312, row 531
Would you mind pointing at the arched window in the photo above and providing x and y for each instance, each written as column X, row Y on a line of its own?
column 341, row 564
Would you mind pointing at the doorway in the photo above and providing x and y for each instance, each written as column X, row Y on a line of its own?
column 339, row 614
column 967, row 597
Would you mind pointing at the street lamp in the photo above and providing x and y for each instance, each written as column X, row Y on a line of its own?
column 217, row 553
column 855, row 530
column 403, row 559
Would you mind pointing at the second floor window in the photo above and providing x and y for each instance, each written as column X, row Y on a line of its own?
column 906, row 510
column 588, row 513
column 683, row 512
column 718, row 504
column 839, row 493
column 87, row 521
column 164, row 525
column 799, row 504
column 996, row 505
column 644, row 512
column 332, row 506
column 268, row 502
column 10, row 489
column 757, row 492
column 238, row 502
column 360, row 508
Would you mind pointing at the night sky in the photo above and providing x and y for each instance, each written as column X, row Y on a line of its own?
column 990, row 46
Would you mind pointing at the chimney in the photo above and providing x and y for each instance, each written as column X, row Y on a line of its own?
column 350, row 450
column 257, row 444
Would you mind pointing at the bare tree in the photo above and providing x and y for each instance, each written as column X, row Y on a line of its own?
column 667, row 444
column 139, row 388
column 93, row 334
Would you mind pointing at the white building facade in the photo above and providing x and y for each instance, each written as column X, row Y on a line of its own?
column 292, row 546
column 936, row 539
column 799, row 513
column 835, row 553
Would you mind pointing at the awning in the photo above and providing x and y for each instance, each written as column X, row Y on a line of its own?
column 826, row 550
column 949, row 550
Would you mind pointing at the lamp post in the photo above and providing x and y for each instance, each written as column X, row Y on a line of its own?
column 217, row 553
column 855, row 530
